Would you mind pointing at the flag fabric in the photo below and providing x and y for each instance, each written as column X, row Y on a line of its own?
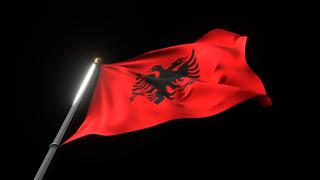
column 193, row 80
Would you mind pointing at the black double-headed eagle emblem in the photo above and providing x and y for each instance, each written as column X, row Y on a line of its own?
column 181, row 73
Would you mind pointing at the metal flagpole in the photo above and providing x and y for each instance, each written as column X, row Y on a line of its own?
column 57, row 141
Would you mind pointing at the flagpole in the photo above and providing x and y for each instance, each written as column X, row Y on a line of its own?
column 53, row 147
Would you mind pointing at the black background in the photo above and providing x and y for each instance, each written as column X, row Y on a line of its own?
column 58, row 44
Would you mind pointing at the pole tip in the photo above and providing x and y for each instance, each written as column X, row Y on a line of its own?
column 97, row 60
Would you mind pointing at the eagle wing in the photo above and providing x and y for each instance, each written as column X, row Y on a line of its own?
column 190, row 68
column 143, row 87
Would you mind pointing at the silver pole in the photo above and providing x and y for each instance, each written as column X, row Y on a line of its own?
column 57, row 141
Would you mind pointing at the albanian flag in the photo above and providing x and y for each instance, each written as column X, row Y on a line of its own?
column 192, row 80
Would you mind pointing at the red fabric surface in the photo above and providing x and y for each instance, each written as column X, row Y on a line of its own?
column 224, row 80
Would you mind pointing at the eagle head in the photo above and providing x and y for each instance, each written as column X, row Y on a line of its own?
column 177, row 62
column 156, row 68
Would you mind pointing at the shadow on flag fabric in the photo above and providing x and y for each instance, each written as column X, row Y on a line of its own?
column 193, row 80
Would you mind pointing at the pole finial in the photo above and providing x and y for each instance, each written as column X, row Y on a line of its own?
column 97, row 60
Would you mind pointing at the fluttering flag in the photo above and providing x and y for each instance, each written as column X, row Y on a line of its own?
column 193, row 80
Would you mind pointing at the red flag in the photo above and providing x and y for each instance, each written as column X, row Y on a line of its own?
column 193, row 80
